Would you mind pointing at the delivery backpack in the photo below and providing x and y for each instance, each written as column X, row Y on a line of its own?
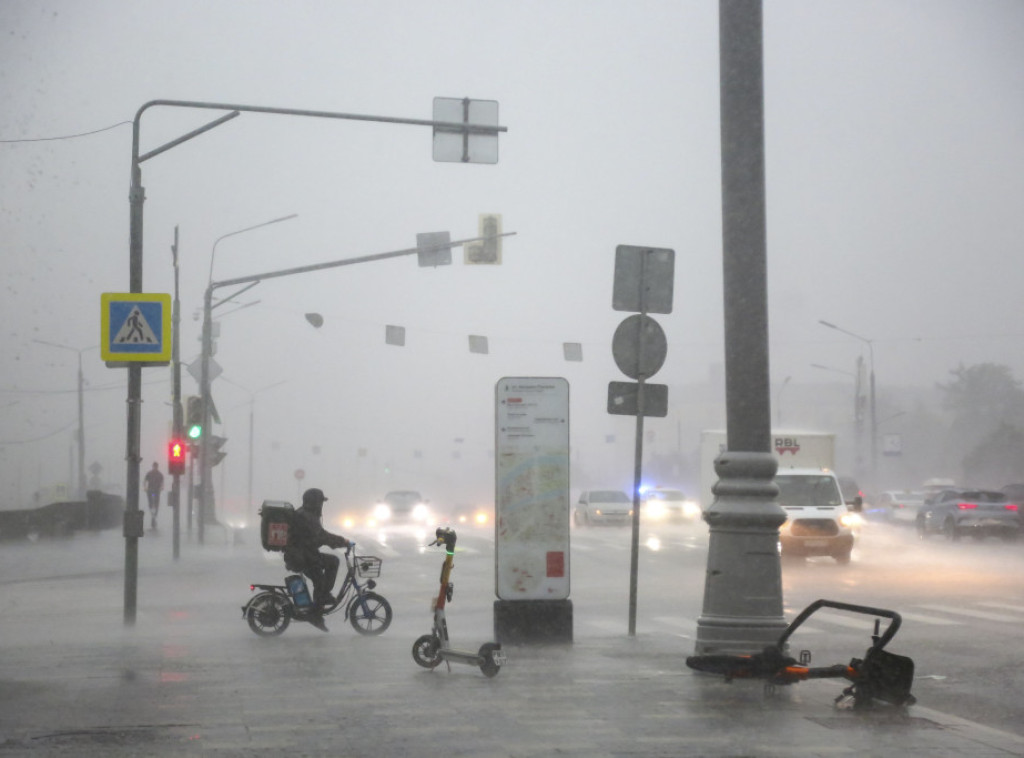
column 275, row 524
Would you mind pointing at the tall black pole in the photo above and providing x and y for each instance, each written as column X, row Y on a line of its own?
column 742, row 610
column 179, row 421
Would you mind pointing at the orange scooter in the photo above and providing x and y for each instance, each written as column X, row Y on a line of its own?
column 431, row 649
column 880, row 677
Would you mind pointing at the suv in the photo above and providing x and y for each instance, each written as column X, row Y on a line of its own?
column 818, row 522
column 979, row 513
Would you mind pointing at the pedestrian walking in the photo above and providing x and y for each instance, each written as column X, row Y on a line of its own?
column 154, row 483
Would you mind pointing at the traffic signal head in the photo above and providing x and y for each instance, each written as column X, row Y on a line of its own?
column 194, row 418
column 176, row 452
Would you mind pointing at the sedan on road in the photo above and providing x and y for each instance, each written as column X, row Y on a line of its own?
column 662, row 504
column 900, row 505
column 603, row 507
column 979, row 513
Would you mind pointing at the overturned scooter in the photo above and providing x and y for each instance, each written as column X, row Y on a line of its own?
column 879, row 678
column 429, row 650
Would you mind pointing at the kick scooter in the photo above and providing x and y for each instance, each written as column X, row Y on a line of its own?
column 430, row 649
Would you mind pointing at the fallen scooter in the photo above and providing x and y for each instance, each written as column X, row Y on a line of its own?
column 429, row 650
column 879, row 678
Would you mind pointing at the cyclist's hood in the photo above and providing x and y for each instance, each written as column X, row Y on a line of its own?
column 313, row 500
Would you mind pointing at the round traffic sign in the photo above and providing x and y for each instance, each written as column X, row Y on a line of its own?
column 639, row 346
column 300, row 474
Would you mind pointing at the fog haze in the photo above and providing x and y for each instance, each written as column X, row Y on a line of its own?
column 895, row 179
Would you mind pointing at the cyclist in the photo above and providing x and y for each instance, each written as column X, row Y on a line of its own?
column 302, row 554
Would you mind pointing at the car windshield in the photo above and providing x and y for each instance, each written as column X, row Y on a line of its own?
column 666, row 495
column 983, row 496
column 807, row 490
column 403, row 499
column 608, row 496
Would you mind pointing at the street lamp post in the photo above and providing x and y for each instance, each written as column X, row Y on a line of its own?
column 858, row 405
column 871, row 390
column 778, row 401
column 205, row 488
column 80, row 434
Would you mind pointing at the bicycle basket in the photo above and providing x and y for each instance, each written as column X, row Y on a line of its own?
column 368, row 566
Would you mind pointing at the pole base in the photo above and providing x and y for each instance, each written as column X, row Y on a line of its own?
column 532, row 621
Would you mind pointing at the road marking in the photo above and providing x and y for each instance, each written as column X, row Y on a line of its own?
column 933, row 620
column 984, row 615
column 1004, row 606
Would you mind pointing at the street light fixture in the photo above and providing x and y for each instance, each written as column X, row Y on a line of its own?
column 205, row 488
column 874, row 417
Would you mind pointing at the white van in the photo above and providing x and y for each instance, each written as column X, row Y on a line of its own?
column 818, row 521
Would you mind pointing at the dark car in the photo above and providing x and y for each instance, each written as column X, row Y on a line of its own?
column 979, row 513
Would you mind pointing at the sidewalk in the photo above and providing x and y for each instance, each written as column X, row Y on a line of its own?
column 189, row 679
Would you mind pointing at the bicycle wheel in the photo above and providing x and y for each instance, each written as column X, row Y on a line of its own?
column 369, row 613
column 426, row 651
column 268, row 614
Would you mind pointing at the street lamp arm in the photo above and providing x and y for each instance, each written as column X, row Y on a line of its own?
column 456, row 125
column 213, row 251
column 344, row 262
column 186, row 137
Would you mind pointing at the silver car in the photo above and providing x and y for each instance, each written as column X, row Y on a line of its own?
column 900, row 506
column 603, row 507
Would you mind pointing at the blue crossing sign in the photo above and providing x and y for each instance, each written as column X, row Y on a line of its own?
column 135, row 327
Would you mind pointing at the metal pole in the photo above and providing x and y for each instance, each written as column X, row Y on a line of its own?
column 81, row 431
column 133, row 514
column 742, row 610
column 638, row 453
column 175, row 496
column 248, row 496
column 204, row 393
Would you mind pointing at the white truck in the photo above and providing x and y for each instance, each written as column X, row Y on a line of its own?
column 793, row 449
column 818, row 523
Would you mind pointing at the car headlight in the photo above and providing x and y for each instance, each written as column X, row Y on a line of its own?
column 851, row 520
column 655, row 509
column 381, row 512
column 420, row 512
column 691, row 509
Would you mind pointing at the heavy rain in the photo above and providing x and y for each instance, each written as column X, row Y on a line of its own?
column 341, row 359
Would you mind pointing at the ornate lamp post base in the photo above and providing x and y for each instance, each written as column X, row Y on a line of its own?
column 742, row 610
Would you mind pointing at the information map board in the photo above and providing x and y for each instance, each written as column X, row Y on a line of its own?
column 532, row 488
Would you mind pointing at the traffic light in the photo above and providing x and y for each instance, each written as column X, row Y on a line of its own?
column 215, row 455
column 194, row 418
column 176, row 456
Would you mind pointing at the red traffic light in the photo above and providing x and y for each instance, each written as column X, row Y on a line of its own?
column 176, row 452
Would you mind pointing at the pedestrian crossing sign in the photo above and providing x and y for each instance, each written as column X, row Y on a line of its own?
column 136, row 328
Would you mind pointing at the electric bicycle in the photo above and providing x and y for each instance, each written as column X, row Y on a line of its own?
column 271, row 611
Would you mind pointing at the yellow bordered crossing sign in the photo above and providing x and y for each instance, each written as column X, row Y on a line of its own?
column 135, row 328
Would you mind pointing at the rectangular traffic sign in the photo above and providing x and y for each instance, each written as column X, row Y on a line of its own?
column 135, row 327
column 623, row 399
column 643, row 279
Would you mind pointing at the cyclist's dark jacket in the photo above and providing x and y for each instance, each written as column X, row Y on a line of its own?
column 305, row 538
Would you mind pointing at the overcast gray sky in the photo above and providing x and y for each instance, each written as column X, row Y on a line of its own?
column 895, row 183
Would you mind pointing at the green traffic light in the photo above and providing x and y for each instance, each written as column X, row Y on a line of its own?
column 195, row 431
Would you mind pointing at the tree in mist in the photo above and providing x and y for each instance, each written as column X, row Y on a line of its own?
column 987, row 405
column 996, row 460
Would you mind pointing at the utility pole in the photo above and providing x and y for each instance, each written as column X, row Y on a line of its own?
column 175, row 496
